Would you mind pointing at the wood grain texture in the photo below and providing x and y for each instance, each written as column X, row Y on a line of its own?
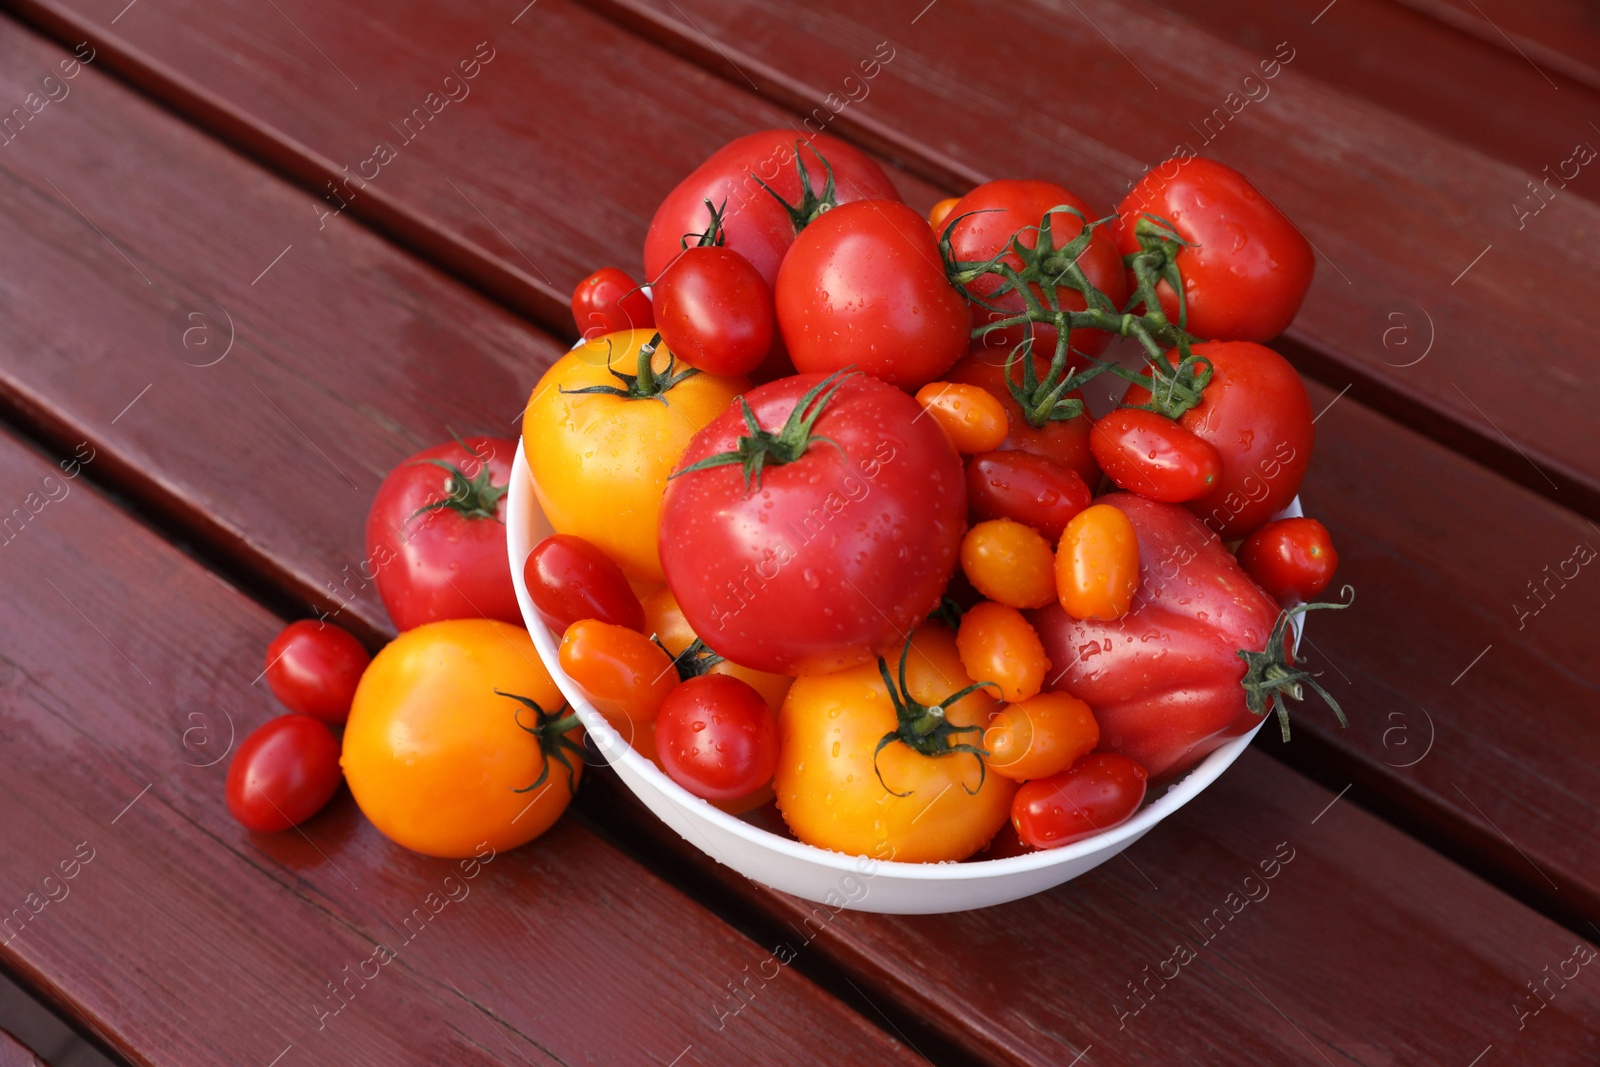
column 14, row 1054
column 184, row 939
column 1560, row 36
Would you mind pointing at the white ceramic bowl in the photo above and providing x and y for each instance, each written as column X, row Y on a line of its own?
column 813, row 873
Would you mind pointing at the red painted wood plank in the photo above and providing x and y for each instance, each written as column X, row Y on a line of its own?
column 129, row 894
column 14, row 1054
column 1551, row 36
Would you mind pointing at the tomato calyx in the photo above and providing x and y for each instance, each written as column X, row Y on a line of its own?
column 471, row 498
column 948, row 612
column 761, row 448
column 646, row 384
column 924, row 729
column 811, row 204
column 550, row 730
column 713, row 235
column 695, row 660
column 1272, row 675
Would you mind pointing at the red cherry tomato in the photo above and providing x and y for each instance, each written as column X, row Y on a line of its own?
column 714, row 310
column 285, row 772
column 314, row 667
column 1153, row 456
column 1292, row 559
column 864, row 286
column 717, row 737
column 436, row 535
column 1066, row 442
column 1246, row 269
column 569, row 579
column 1096, row 793
column 1026, row 487
column 607, row 301
column 999, row 210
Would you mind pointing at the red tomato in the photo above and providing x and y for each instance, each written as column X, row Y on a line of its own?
column 755, row 224
column 1153, row 456
column 1256, row 414
column 834, row 549
column 285, row 772
column 1247, row 268
column 569, row 579
column 864, row 286
column 314, row 667
column 1064, row 441
column 607, row 301
column 717, row 737
column 1026, row 487
column 1292, row 559
column 1096, row 793
column 1166, row 680
column 715, row 311
column 436, row 535
column 1004, row 208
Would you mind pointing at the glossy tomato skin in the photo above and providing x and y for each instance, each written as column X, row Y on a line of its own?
column 864, row 286
column 717, row 737
column 831, row 558
column 285, row 772
column 715, row 311
column 443, row 563
column 1163, row 679
column 755, row 225
column 1065, row 442
column 1292, row 559
column 570, row 579
column 998, row 209
column 665, row 619
column 607, row 301
column 1256, row 414
column 1099, row 791
column 435, row 757
column 600, row 462
column 1247, row 269
column 1026, row 487
column 1154, row 456
column 313, row 668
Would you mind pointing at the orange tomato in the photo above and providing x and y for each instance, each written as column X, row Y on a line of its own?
column 1097, row 564
column 458, row 737
column 625, row 674
column 973, row 418
column 664, row 618
column 939, row 214
column 1041, row 736
column 998, row 645
column 1010, row 563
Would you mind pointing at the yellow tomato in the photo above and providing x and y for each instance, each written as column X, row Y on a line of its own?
column 600, row 460
column 665, row 620
column 1010, row 563
column 440, row 761
column 925, row 808
column 973, row 418
column 1097, row 564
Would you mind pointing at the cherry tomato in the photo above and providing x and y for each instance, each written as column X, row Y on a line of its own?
column 1097, row 564
column 313, row 668
column 436, row 535
column 974, row 418
column 570, row 579
column 1256, row 414
column 1001, row 209
column 1040, row 736
column 608, row 301
column 1098, row 792
column 715, row 310
column 864, row 286
column 666, row 621
column 998, row 645
column 1246, row 268
column 1009, row 563
column 1065, row 442
column 1153, row 456
column 285, row 772
column 1292, row 559
column 939, row 213
column 1028, row 488
column 717, row 738
column 460, row 740
column 757, row 224
column 625, row 674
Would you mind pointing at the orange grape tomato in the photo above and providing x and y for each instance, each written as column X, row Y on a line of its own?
column 1097, row 564
column 625, row 674
column 664, row 618
column 1040, row 736
column 1011, row 563
column 939, row 214
column 973, row 418
column 998, row 645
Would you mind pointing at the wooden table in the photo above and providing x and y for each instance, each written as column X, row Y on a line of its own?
column 171, row 170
